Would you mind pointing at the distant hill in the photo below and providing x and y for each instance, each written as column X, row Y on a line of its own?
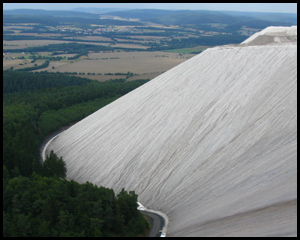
column 233, row 20
column 277, row 17
column 175, row 17
column 180, row 17
column 41, row 12
column 51, row 17
column 97, row 10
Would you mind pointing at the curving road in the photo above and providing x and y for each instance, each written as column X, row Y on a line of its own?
column 48, row 138
column 156, row 223
column 160, row 221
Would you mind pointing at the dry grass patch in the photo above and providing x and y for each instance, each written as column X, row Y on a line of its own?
column 121, row 62
column 15, row 63
column 137, row 65
column 91, row 38
column 128, row 45
column 19, row 44
column 8, row 63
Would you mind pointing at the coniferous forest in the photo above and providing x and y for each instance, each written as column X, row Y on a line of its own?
column 37, row 199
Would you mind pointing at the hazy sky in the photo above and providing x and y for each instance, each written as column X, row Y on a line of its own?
column 247, row 7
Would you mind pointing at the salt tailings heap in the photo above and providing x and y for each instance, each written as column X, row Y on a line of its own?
column 212, row 142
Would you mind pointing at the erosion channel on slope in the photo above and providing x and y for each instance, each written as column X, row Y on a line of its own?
column 159, row 221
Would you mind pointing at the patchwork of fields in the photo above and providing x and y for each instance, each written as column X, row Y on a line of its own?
column 96, row 65
column 126, row 53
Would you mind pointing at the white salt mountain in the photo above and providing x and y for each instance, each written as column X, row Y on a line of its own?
column 212, row 142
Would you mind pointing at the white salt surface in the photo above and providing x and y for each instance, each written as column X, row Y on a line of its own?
column 273, row 35
column 212, row 143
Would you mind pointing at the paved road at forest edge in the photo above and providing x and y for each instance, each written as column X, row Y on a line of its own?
column 157, row 223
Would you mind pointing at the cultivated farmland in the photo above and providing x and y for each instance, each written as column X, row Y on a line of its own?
column 20, row 44
column 145, row 64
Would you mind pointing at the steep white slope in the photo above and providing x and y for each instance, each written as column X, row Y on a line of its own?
column 211, row 142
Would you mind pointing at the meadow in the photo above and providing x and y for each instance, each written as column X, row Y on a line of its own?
column 116, row 62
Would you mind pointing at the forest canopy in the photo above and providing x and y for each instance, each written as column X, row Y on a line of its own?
column 37, row 200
